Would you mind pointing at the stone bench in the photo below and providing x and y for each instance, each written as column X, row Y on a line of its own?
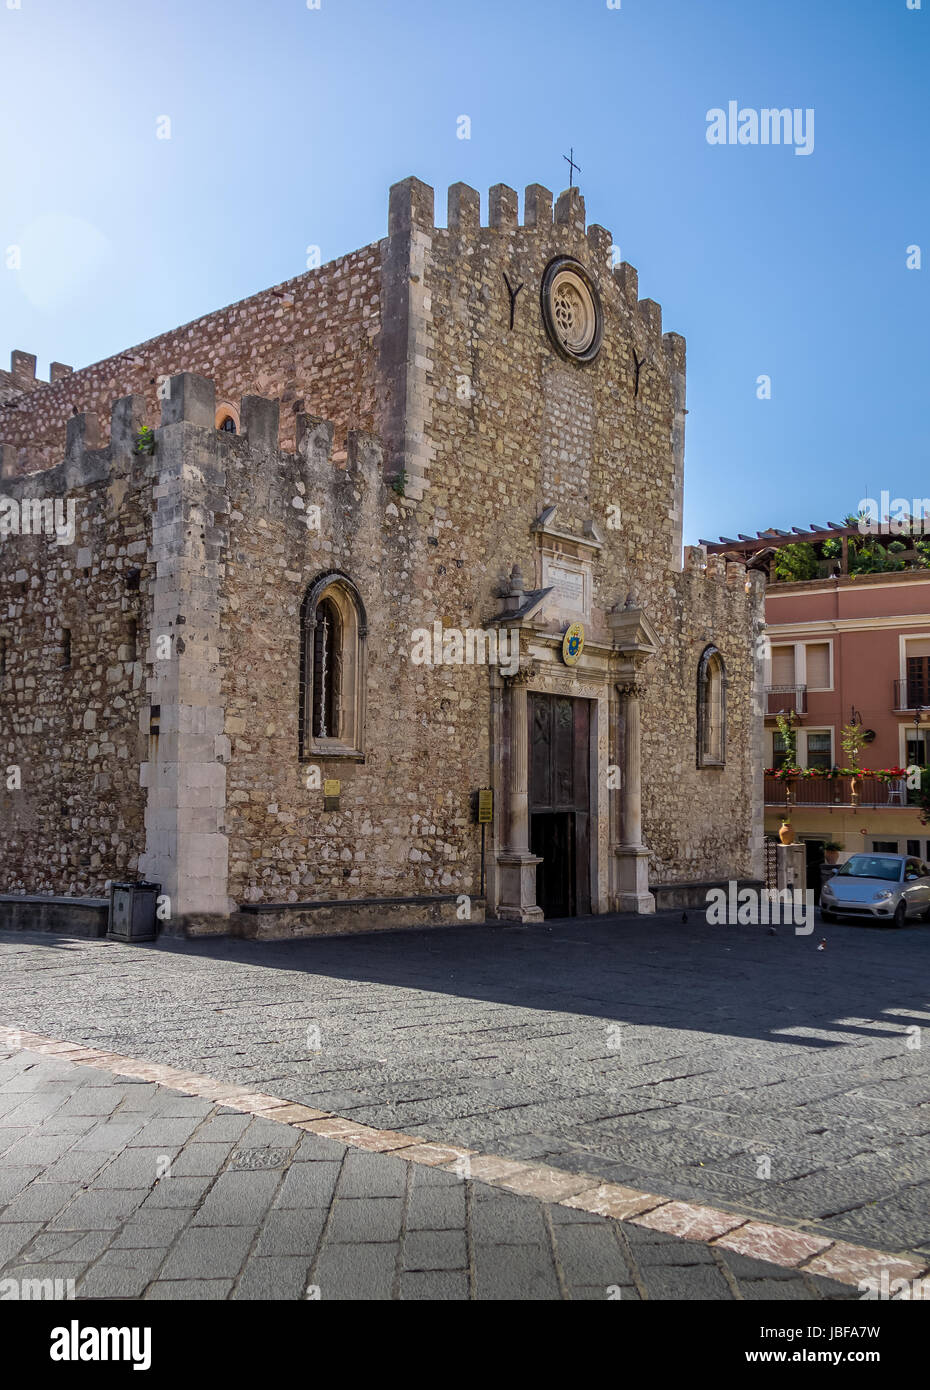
column 336, row 916
column 693, row 893
column 42, row 912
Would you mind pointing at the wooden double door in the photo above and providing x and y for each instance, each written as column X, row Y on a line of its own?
column 559, row 802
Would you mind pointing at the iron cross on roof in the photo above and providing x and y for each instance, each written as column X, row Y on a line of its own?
column 570, row 161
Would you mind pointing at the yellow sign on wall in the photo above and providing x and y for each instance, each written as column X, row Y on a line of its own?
column 331, row 787
column 485, row 806
column 573, row 643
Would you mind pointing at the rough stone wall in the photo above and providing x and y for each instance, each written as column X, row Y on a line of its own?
column 469, row 429
column 701, row 822
column 76, row 819
column 514, row 428
column 309, row 341
column 403, row 826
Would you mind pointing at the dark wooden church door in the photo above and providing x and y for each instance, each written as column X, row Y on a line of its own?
column 559, row 730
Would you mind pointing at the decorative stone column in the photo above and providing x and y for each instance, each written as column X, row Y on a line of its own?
column 632, row 854
column 517, row 864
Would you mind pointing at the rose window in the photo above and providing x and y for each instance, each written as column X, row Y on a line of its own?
column 571, row 309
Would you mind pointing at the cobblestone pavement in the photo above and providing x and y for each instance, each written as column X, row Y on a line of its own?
column 131, row 1190
column 685, row 1059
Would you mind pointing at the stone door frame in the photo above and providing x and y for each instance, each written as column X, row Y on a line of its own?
column 543, row 672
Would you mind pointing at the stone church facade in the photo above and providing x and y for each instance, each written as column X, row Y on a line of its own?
column 404, row 541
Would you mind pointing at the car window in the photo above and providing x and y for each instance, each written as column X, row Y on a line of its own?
column 911, row 869
column 884, row 866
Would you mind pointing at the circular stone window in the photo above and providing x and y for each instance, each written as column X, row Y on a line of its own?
column 572, row 309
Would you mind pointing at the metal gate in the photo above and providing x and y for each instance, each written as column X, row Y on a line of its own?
column 771, row 863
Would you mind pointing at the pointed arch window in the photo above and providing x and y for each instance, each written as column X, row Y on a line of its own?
column 332, row 669
column 711, row 709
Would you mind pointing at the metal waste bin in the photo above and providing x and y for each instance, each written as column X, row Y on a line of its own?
column 132, row 911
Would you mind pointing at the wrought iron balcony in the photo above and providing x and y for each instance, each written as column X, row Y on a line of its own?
column 911, row 694
column 873, row 792
column 782, row 699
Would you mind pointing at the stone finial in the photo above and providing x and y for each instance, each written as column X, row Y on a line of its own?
column 364, row 453
column 464, row 209
column 83, row 433
column 569, row 210
column 260, row 421
column 627, row 278
column 58, row 370
column 191, row 398
column 651, row 315
column 516, row 580
column 411, row 205
column 674, row 345
column 22, row 366
column 315, row 439
column 126, row 419
column 630, row 600
column 537, row 206
column 601, row 243
column 503, row 207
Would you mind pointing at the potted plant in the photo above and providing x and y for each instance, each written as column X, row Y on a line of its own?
column 832, row 851
column 852, row 737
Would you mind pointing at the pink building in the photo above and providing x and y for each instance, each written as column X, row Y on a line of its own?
column 844, row 648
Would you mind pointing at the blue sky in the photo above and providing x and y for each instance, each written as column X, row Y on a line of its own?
column 289, row 124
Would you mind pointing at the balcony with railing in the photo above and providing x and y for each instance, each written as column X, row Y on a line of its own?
column 870, row 792
column 782, row 699
column 911, row 694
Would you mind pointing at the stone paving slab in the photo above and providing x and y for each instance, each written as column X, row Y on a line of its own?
column 715, row 1066
column 632, row 1049
column 277, row 1212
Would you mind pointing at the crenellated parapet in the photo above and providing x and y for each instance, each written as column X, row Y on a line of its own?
column 712, row 579
column 465, row 318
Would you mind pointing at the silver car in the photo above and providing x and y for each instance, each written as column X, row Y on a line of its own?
column 891, row 888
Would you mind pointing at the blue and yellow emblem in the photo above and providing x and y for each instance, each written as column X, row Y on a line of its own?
column 573, row 643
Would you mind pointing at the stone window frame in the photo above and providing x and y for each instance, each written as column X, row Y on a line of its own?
column 711, row 692
column 569, row 269
column 348, row 741
column 225, row 410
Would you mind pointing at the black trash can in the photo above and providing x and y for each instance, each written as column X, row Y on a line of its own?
column 132, row 911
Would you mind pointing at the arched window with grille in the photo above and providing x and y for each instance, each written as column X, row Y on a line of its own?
column 227, row 417
column 332, row 669
column 711, row 709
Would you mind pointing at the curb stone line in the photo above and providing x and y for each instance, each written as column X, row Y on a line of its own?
column 788, row 1247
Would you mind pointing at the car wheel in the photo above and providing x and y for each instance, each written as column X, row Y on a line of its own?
column 900, row 914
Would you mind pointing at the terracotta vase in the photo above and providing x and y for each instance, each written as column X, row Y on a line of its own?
column 786, row 834
column 831, row 856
